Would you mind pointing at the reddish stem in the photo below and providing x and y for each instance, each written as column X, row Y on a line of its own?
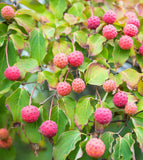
column 51, row 106
column 32, row 94
column 59, row 47
column 72, row 42
column 92, row 12
column 99, row 98
column 7, row 52
column 67, row 74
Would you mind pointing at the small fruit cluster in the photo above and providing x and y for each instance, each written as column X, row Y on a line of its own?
column 5, row 139
column 7, row 13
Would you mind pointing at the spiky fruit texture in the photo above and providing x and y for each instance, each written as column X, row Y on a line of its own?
column 48, row 128
column 30, row 114
column 130, row 108
column 141, row 50
column 134, row 21
column 63, row 88
column 95, row 148
column 75, row 58
column 109, row 32
column 6, row 143
column 60, row 60
column 130, row 30
column 4, row 134
column 125, row 42
column 109, row 17
column 130, row 15
column 7, row 12
column 120, row 99
column 78, row 85
column 12, row 73
column 93, row 22
column 103, row 115
column 109, row 85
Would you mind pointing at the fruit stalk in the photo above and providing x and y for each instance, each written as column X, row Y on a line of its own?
column 51, row 106
column 32, row 94
column 99, row 97
column 67, row 74
column 72, row 42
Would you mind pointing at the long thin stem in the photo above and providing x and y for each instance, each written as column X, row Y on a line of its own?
column 92, row 11
column 99, row 97
column 7, row 51
column 67, row 74
column 32, row 94
column 137, row 113
column 118, row 121
column 46, row 100
column 51, row 106
column 72, row 42
column 59, row 47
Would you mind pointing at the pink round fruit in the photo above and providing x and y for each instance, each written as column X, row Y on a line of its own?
column 4, row 133
column 109, row 17
column 120, row 99
column 95, row 148
column 78, row 85
column 12, row 73
column 134, row 21
column 60, row 60
column 130, row 14
column 125, row 42
column 103, row 115
column 75, row 58
column 93, row 22
column 130, row 30
column 109, row 85
column 130, row 108
column 63, row 88
column 30, row 114
column 109, row 32
column 141, row 50
column 7, row 12
column 48, row 128
column 6, row 143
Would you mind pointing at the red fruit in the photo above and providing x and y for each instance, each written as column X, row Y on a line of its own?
column 78, row 85
column 93, row 22
column 120, row 99
column 130, row 30
column 134, row 21
column 109, row 17
column 130, row 108
column 95, row 148
column 103, row 115
column 30, row 114
column 125, row 42
column 48, row 129
column 60, row 60
column 3, row 134
column 109, row 32
column 63, row 88
column 7, row 12
column 141, row 50
column 109, row 85
column 75, row 58
column 130, row 15
column 6, row 143
column 12, row 73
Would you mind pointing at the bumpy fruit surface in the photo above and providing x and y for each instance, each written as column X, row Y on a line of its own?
column 7, row 12
column 60, row 60
column 109, row 85
column 130, row 15
column 103, row 115
column 6, row 143
column 95, row 148
column 109, row 17
column 130, row 108
column 134, row 21
column 75, row 58
column 125, row 42
column 120, row 99
column 48, row 129
column 3, row 134
column 141, row 50
column 30, row 114
column 78, row 85
column 63, row 88
column 109, row 32
column 93, row 22
column 130, row 30
column 12, row 73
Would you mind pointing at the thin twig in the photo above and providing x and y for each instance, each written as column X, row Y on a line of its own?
column 46, row 100
column 120, row 130
column 99, row 97
column 72, row 42
column 137, row 113
column 32, row 94
column 117, row 121
column 7, row 51
column 51, row 106
column 24, row 83
column 105, row 96
column 67, row 74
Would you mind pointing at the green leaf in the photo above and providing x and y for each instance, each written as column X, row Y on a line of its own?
column 37, row 45
column 58, row 7
column 140, row 87
column 139, row 133
column 95, row 43
column 140, row 61
column 96, row 74
column 48, row 31
column 70, row 18
column 3, row 29
column 9, row 154
column 83, row 111
column 61, row 120
column 66, row 143
column 85, row 64
column 119, row 55
column 68, row 109
column 16, row 102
